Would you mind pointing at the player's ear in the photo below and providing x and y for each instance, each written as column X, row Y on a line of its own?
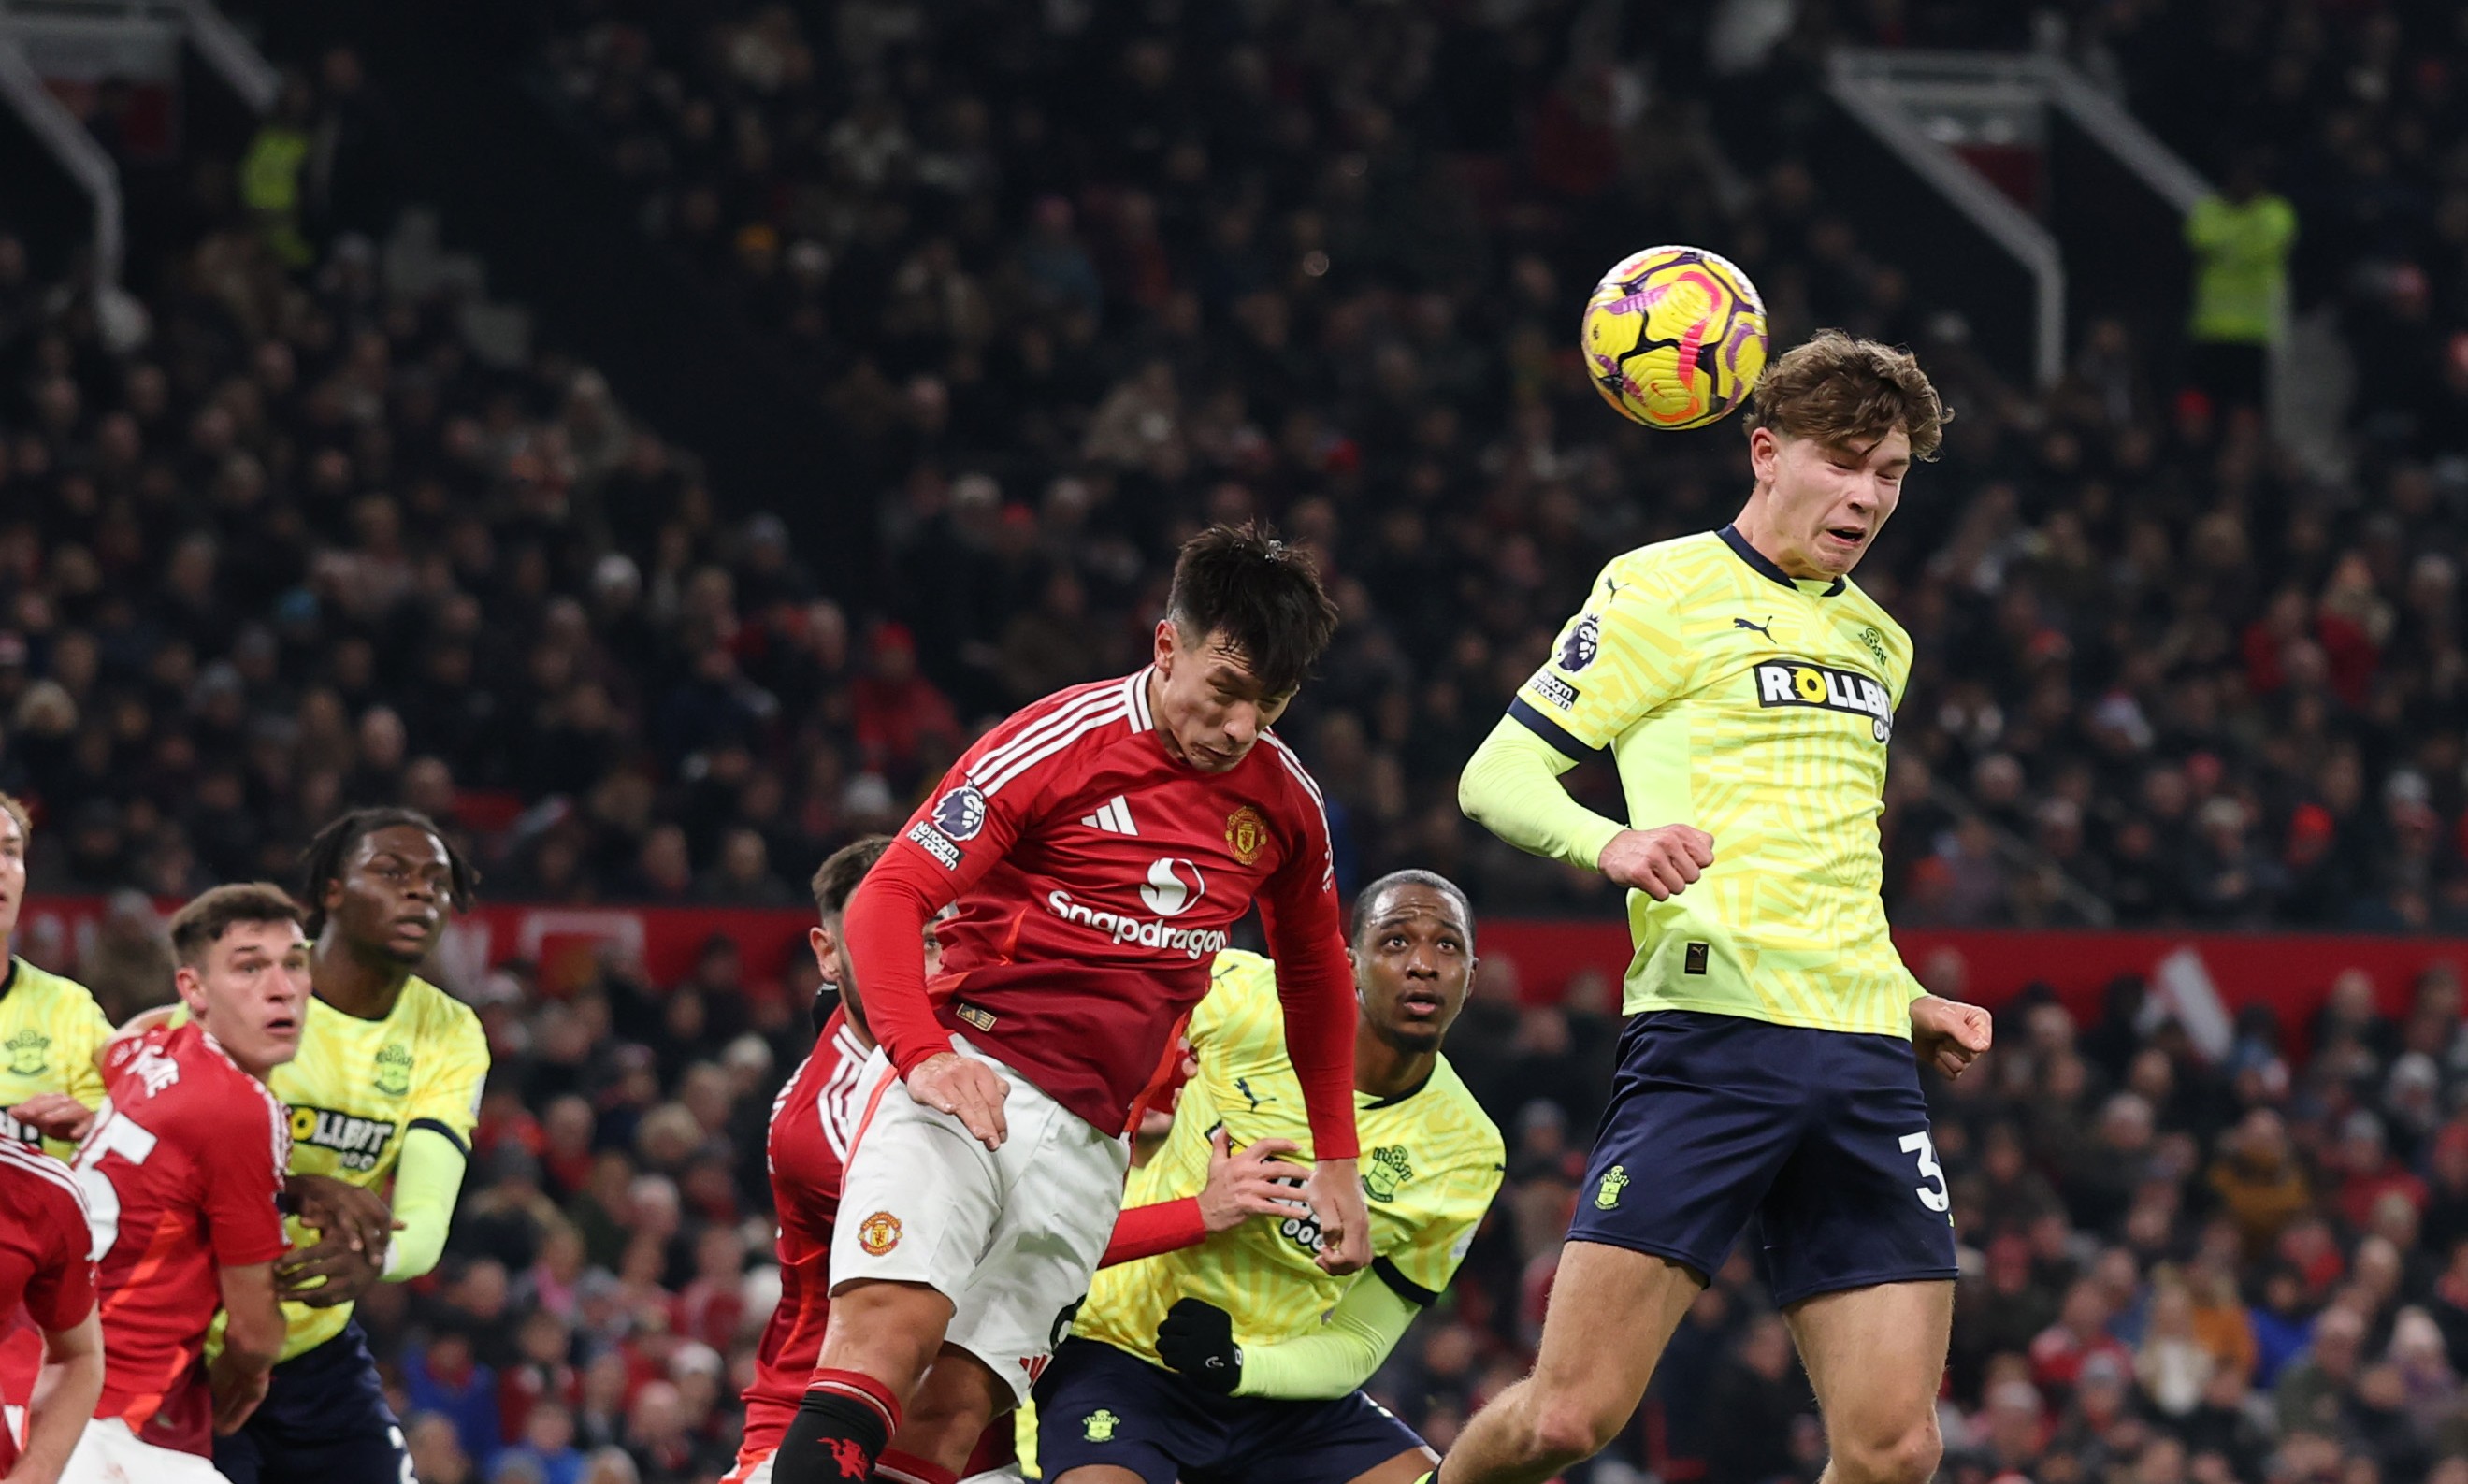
column 1168, row 640
column 1765, row 454
column 192, row 989
column 825, row 948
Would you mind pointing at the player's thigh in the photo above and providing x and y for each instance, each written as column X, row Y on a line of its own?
column 918, row 1205
column 325, row 1418
column 1099, row 1409
column 241, row 1457
column 1065, row 1182
column 1613, row 1311
column 1403, row 1468
column 1319, row 1442
column 1703, row 1113
column 1101, row 1473
column 1876, row 1357
column 1861, row 1201
column 107, row 1453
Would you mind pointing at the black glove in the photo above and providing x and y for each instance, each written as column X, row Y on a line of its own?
column 1198, row 1340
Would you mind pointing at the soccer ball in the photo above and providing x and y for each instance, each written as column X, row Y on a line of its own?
column 1674, row 337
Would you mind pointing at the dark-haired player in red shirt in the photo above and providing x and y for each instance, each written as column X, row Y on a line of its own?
column 1099, row 846
column 814, row 1124
column 44, row 1266
column 182, row 1173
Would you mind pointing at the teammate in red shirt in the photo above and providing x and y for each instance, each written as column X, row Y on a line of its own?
column 45, row 1265
column 814, row 1122
column 1099, row 845
column 182, row 1173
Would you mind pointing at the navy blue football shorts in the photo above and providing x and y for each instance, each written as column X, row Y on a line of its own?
column 1821, row 1135
column 1097, row 1404
column 324, row 1421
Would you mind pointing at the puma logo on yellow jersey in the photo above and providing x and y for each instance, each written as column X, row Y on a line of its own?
column 356, row 1143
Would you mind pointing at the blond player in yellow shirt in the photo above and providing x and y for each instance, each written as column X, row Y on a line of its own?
column 1746, row 690
column 1242, row 1358
column 49, row 1027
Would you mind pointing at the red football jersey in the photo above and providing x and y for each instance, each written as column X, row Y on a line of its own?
column 813, row 1123
column 46, row 1276
column 1095, row 877
column 181, row 1171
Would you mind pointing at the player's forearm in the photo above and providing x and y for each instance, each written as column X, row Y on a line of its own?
column 253, row 1321
column 1336, row 1357
column 427, row 1183
column 1152, row 1230
column 1317, row 995
column 885, row 925
column 64, row 1396
column 1511, row 787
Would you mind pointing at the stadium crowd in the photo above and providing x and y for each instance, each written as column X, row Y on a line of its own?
column 1072, row 279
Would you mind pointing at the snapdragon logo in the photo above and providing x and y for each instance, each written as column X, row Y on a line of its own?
column 1173, row 887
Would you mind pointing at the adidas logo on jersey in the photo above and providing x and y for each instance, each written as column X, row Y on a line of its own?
column 1115, row 819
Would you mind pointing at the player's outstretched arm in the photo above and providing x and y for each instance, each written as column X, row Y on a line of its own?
column 252, row 1342
column 65, row 1392
column 1196, row 1339
column 55, row 1117
column 1255, row 1182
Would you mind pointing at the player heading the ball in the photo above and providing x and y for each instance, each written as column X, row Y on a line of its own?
column 1746, row 690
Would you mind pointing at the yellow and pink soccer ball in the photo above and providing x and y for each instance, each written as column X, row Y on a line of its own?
column 1674, row 337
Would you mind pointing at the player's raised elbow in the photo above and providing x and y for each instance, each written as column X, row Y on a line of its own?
column 1478, row 789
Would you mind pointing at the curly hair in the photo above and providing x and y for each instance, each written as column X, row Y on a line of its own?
column 1842, row 391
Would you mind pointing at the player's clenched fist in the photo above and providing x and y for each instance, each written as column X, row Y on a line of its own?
column 1335, row 1191
column 1947, row 1035
column 966, row 1089
column 1659, row 862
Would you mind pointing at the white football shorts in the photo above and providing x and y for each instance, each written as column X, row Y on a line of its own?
column 110, row 1454
column 1009, row 1236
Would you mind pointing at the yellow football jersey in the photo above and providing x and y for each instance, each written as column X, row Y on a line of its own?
column 1431, row 1161
column 357, row 1087
column 50, row 1028
column 1757, row 708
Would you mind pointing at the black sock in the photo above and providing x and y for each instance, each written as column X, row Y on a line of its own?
column 834, row 1440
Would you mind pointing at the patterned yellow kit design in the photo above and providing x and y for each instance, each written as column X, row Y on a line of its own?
column 50, row 1029
column 1758, row 709
column 1430, row 1166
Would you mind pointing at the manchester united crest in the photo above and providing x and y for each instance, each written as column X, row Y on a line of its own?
column 879, row 1233
column 1246, row 832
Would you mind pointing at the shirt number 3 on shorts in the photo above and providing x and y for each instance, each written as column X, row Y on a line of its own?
column 1922, row 1144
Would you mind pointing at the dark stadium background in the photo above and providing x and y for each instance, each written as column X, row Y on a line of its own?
column 653, row 438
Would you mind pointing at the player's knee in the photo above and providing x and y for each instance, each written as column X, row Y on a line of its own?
column 1910, row 1456
column 1568, row 1428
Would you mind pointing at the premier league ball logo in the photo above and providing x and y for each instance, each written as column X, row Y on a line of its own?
column 1577, row 651
column 961, row 812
